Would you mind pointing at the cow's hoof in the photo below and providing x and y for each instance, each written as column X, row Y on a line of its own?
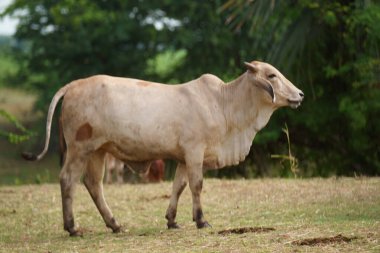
column 76, row 233
column 173, row 225
column 203, row 224
column 116, row 230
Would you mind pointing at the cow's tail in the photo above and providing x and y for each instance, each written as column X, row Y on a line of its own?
column 53, row 104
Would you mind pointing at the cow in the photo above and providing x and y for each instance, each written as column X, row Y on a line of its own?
column 202, row 124
column 113, row 166
column 155, row 173
column 114, row 169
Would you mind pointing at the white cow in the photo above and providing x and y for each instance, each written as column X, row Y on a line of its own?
column 203, row 124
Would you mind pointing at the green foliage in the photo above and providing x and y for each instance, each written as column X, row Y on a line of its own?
column 164, row 64
column 15, row 138
column 8, row 64
column 329, row 49
column 74, row 39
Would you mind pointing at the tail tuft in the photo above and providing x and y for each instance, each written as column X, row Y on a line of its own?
column 29, row 156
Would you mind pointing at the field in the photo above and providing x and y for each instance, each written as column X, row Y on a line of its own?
column 267, row 215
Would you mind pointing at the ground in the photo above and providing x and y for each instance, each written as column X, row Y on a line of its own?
column 263, row 215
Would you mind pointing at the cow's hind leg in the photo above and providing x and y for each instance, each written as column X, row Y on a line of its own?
column 179, row 184
column 69, row 176
column 93, row 180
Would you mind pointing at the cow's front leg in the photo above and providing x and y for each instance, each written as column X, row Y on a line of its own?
column 195, row 175
column 179, row 184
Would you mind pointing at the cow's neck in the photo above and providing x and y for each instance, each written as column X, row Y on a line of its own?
column 243, row 105
column 245, row 115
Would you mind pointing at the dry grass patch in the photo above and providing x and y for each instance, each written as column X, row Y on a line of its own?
column 31, row 218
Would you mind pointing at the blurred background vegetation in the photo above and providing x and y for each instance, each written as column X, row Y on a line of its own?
column 329, row 49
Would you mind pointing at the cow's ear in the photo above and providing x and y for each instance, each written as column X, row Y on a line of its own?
column 261, row 82
column 251, row 67
column 266, row 85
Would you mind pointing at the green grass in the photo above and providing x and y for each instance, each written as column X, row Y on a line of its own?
column 31, row 219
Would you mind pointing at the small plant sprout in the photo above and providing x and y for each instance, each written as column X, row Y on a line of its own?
column 292, row 161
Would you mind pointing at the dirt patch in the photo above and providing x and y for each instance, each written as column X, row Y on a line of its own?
column 245, row 230
column 7, row 191
column 324, row 240
column 165, row 196
column 4, row 213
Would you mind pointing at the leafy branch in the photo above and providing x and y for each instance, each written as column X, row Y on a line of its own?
column 15, row 138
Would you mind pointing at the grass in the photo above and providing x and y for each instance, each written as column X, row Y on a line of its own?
column 31, row 219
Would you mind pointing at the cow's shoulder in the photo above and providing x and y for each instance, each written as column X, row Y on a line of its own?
column 210, row 79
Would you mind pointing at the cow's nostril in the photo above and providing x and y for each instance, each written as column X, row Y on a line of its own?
column 301, row 94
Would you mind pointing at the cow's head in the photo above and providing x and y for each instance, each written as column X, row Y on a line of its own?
column 280, row 89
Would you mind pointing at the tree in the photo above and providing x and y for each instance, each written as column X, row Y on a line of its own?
column 74, row 39
column 330, row 49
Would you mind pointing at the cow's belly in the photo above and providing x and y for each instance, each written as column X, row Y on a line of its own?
column 142, row 146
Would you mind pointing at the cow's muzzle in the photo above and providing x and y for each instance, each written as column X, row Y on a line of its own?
column 296, row 102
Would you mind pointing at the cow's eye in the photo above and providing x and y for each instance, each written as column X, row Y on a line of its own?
column 272, row 76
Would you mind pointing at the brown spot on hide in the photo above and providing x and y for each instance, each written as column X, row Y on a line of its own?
column 143, row 83
column 84, row 132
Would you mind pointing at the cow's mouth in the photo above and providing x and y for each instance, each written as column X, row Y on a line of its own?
column 294, row 104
